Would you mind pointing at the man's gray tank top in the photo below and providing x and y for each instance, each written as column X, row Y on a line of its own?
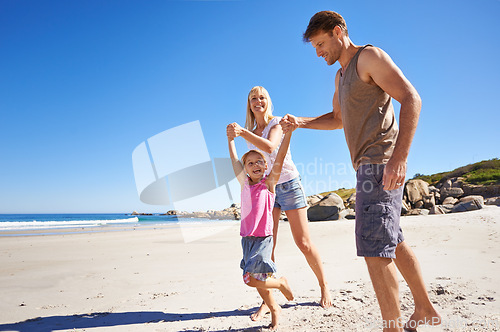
column 368, row 118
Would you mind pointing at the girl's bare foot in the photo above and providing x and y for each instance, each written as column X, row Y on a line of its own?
column 285, row 289
column 261, row 312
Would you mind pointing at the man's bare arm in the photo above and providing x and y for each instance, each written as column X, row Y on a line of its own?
column 376, row 67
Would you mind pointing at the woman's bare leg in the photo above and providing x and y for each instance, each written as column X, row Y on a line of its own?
column 298, row 223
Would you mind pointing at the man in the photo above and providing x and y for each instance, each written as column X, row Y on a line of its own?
column 362, row 106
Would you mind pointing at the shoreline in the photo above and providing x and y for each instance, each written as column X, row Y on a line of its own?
column 153, row 280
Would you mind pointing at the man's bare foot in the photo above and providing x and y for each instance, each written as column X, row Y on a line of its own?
column 285, row 289
column 431, row 317
column 326, row 300
column 275, row 315
column 261, row 312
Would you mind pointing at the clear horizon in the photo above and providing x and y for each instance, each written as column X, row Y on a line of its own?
column 84, row 83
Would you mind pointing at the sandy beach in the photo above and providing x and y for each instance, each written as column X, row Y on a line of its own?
column 149, row 279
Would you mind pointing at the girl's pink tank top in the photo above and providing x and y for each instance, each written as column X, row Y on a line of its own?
column 257, row 204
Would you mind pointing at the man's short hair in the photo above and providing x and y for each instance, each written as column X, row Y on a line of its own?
column 324, row 21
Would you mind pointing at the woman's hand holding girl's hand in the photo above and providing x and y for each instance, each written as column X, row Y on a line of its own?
column 289, row 123
column 234, row 130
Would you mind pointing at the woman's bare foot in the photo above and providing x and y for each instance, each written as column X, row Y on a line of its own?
column 431, row 317
column 261, row 312
column 285, row 289
column 326, row 300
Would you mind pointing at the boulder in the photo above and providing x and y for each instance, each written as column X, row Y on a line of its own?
column 415, row 190
column 327, row 208
column 311, row 200
column 405, row 208
column 485, row 191
column 135, row 213
column 433, row 189
column 351, row 201
column 453, row 192
column 450, row 200
column 457, row 182
column 347, row 214
column 437, row 209
column 480, row 199
column 429, row 201
column 468, row 206
column 446, row 184
column 493, row 201
column 418, row 212
column 418, row 204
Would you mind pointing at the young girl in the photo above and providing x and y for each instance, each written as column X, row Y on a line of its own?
column 263, row 132
column 257, row 201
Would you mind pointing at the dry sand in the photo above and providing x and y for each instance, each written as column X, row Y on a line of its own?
column 148, row 279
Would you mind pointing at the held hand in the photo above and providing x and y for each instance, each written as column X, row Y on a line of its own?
column 289, row 123
column 233, row 130
column 394, row 174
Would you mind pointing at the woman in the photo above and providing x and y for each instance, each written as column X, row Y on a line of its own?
column 263, row 132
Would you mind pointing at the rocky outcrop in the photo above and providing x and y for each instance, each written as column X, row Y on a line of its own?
column 328, row 208
column 493, row 201
column 451, row 196
column 485, row 191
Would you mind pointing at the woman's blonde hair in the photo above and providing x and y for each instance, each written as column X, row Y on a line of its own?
column 250, row 123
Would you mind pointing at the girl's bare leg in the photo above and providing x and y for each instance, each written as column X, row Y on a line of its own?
column 274, row 308
column 263, row 309
column 273, row 283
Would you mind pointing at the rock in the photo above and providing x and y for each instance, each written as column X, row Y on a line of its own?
column 446, row 185
column 418, row 212
column 450, row 200
column 415, row 190
column 447, row 207
column 453, row 192
column 347, row 214
column 405, row 208
column 418, row 204
column 327, row 208
column 203, row 215
column 433, row 189
column 480, row 199
column 467, row 206
column 134, row 213
column 493, row 201
column 429, row 201
column 172, row 213
column 437, row 209
column 351, row 201
column 457, row 182
column 485, row 191
column 312, row 200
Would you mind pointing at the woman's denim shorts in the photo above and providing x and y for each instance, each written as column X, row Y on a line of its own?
column 290, row 195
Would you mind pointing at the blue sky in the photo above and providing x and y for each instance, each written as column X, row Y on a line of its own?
column 82, row 83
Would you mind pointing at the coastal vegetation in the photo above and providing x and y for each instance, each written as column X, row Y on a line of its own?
column 486, row 172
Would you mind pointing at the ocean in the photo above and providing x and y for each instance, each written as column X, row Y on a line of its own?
column 49, row 222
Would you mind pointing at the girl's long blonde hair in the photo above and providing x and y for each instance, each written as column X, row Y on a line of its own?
column 250, row 122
